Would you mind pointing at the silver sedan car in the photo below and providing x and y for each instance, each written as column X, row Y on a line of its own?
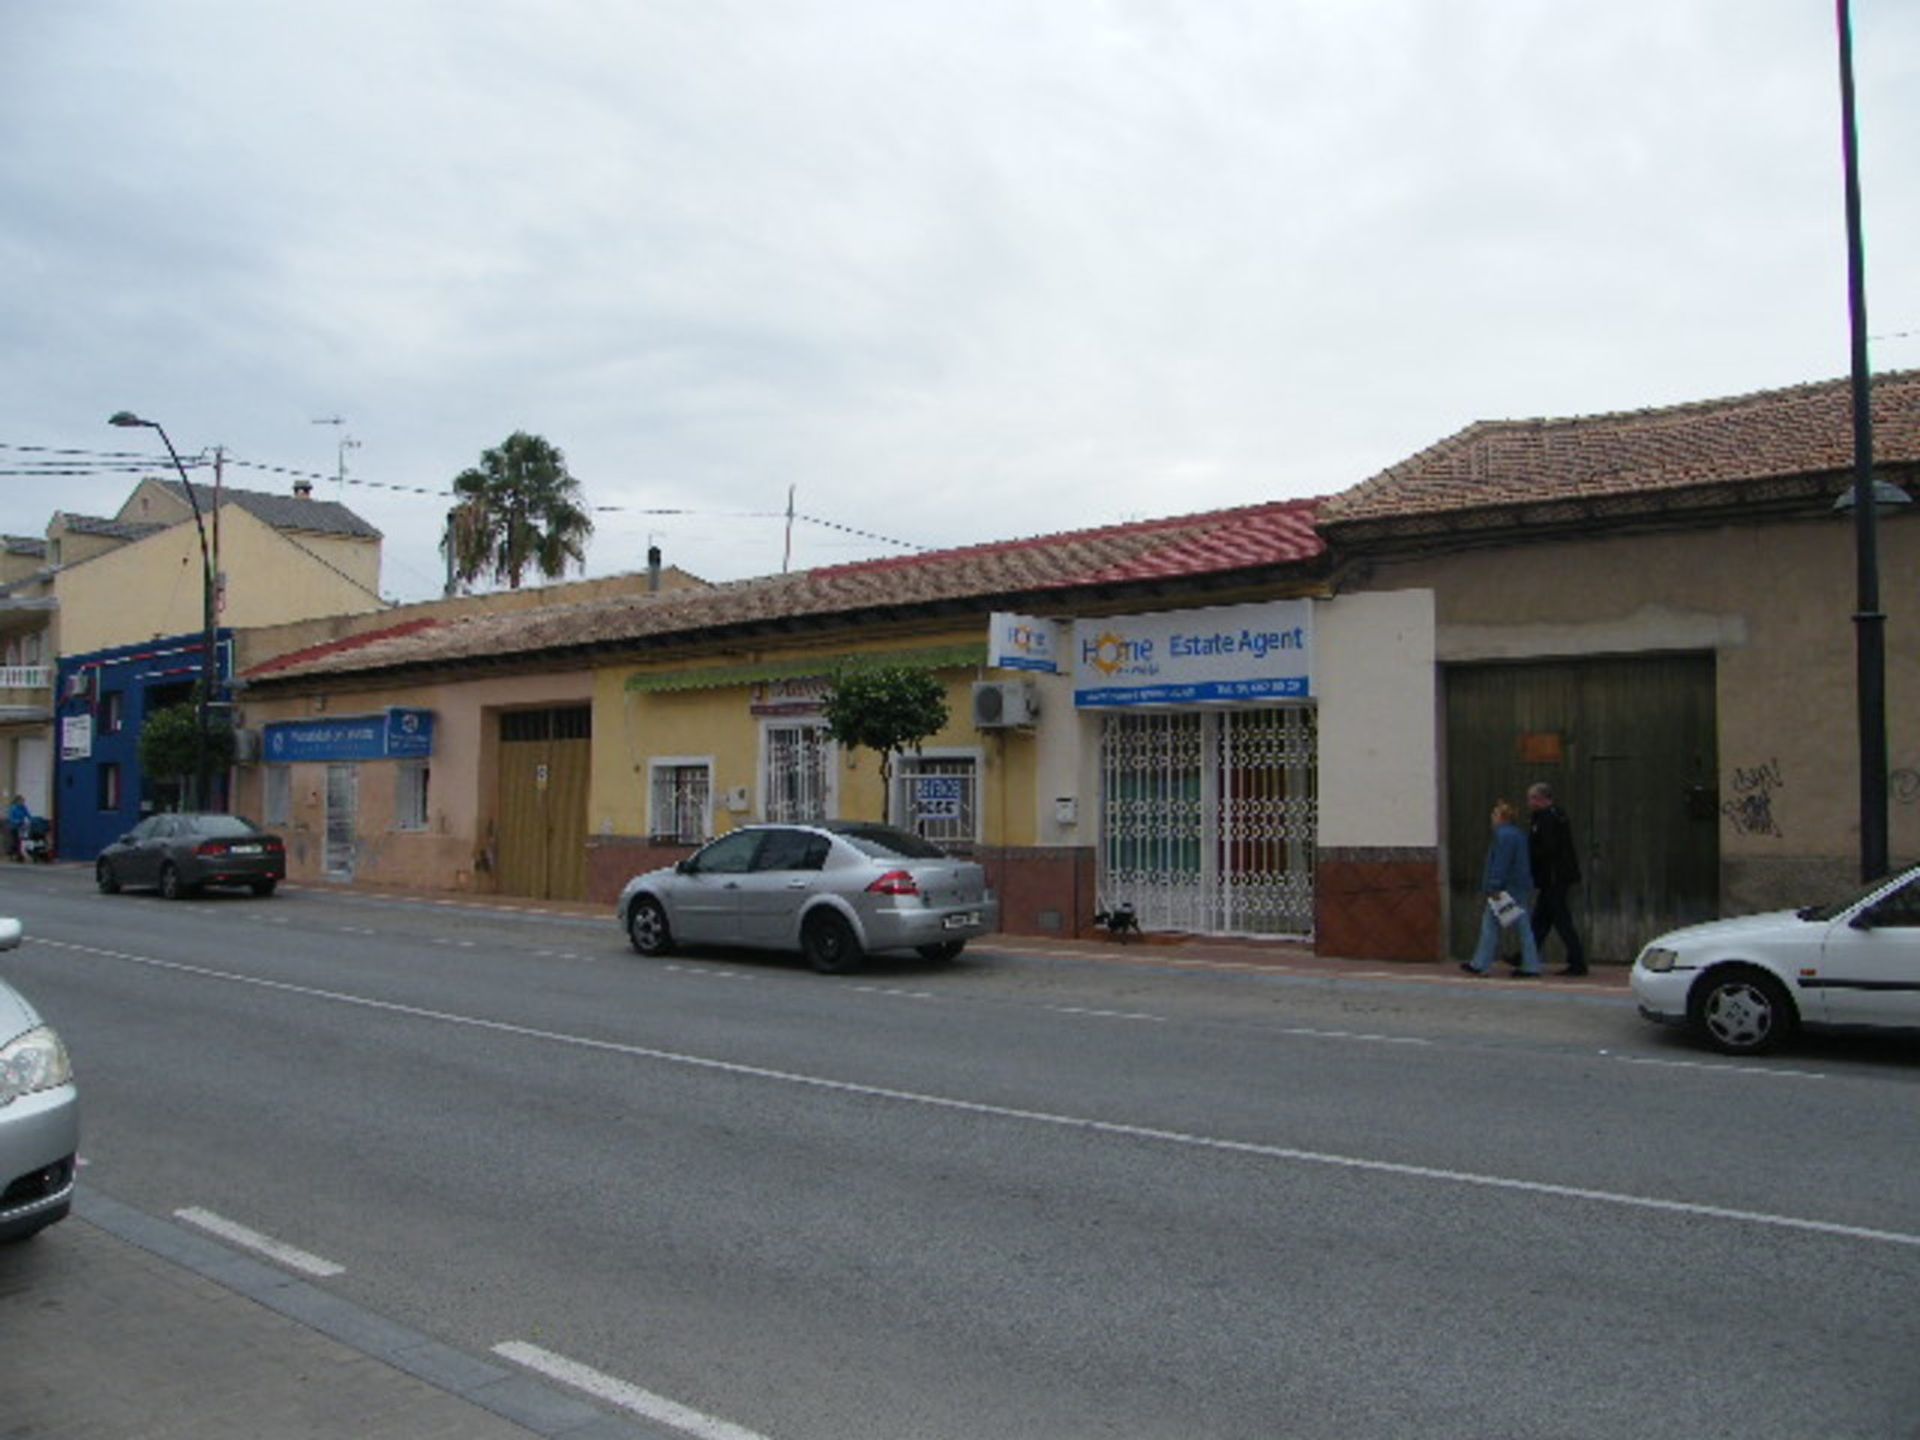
column 39, row 1114
column 834, row 891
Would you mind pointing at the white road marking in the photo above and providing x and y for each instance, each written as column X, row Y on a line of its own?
column 1083, row 1124
column 896, row 994
column 1105, row 1014
column 1717, row 1067
column 1355, row 1035
column 261, row 1244
column 618, row 1392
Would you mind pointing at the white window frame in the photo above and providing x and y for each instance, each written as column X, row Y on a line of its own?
column 906, row 765
column 829, row 767
column 657, row 822
column 411, row 798
column 276, row 796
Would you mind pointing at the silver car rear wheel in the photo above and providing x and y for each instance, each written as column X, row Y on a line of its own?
column 830, row 945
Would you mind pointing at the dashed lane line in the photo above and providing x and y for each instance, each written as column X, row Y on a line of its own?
column 238, row 1234
column 629, row 1397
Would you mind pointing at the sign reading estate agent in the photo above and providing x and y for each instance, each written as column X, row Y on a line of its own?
column 1196, row 657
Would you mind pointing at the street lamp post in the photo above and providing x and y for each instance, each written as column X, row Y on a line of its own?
column 1870, row 624
column 202, row 785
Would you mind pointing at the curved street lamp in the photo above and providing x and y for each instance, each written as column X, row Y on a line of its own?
column 202, row 797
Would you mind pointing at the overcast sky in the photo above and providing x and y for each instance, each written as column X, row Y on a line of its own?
column 958, row 270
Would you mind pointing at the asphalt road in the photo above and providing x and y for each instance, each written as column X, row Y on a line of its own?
column 1021, row 1196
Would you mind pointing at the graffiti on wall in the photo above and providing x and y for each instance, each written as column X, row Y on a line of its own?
column 1904, row 787
column 1751, row 808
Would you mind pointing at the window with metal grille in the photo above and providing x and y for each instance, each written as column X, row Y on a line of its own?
column 682, row 795
column 937, row 796
column 568, row 722
column 410, row 795
column 795, row 782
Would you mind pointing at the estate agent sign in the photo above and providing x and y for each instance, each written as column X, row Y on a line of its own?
column 1220, row 655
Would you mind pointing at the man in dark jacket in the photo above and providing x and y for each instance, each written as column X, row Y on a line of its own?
column 1556, row 870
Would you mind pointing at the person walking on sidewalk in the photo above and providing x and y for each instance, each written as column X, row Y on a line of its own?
column 1556, row 870
column 1507, row 877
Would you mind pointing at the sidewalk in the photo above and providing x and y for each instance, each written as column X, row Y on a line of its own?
column 120, row 1326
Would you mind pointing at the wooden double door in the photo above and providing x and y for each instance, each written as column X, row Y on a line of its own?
column 1629, row 746
column 545, row 765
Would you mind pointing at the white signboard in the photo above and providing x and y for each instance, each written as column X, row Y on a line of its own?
column 76, row 737
column 1024, row 642
column 1222, row 655
column 937, row 797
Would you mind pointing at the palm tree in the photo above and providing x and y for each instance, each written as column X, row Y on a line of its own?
column 518, row 509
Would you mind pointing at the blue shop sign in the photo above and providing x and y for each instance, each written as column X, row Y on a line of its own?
column 396, row 734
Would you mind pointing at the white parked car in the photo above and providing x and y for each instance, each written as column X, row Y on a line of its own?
column 1745, row 985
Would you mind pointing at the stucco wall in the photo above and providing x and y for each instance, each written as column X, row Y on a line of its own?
column 1774, row 604
column 460, row 794
column 1373, row 657
column 153, row 586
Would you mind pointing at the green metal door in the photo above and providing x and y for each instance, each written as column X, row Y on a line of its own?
column 1628, row 745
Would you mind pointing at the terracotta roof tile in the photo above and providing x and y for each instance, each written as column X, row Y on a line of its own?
column 1219, row 542
column 1805, row 430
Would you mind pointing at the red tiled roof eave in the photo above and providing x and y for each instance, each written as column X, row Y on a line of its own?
column 1514, row 464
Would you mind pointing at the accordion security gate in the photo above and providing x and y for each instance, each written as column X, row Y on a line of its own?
column 1208, row 819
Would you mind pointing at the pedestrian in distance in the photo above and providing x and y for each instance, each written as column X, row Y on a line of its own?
column 1556, row 870
column 1508, row 876
column 19, row 817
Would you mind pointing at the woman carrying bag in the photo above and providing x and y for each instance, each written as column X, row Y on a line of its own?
column 1507, row 877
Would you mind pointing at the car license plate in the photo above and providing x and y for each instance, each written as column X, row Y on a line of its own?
column 958, row 922
column 246, row 850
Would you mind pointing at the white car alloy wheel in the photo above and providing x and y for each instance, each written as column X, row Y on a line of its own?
column 1741, row 1012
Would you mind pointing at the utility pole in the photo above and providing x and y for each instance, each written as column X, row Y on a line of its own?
column 786, row 555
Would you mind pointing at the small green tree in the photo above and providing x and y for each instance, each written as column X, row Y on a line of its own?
column 169, row 749
column 887, row 709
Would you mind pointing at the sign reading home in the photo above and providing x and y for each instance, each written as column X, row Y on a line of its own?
column 1223, row 655
column 1024, row 642
column 396, row 734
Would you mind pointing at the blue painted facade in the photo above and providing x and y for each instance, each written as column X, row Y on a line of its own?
column 99, row 790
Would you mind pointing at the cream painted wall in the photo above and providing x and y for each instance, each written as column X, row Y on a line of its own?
column 460, row 792
column 1378, row 692
column 1774, row 604
column 153, row 586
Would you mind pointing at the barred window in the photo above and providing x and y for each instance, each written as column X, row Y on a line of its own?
column 938, row 796
column 682, row 801
column 410, row 795
column 277, row 803
column 797, row 771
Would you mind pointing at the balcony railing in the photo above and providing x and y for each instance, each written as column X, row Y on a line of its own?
column 26, row 677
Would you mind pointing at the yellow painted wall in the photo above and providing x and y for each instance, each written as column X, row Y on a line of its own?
column 630, row 729
column 153, row 586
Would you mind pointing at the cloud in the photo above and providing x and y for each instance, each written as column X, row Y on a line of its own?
column 954, row 271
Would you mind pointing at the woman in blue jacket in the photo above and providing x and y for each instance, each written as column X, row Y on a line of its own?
column 1508, row 870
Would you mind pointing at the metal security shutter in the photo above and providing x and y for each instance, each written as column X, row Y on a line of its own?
column 1208, row 819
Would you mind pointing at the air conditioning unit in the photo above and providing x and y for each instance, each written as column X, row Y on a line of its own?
column 246, row 747
column 1004, row 704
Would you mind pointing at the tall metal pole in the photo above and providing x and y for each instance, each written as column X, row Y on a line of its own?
column 202, row 797
column 1870, row 625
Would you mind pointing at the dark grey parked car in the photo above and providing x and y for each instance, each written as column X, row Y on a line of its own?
column 39, row 1114
column 833, row 891
column 177, row 854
